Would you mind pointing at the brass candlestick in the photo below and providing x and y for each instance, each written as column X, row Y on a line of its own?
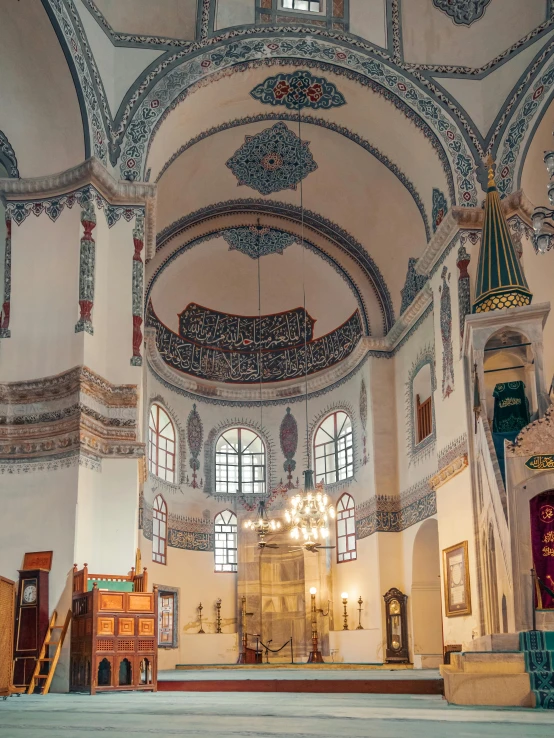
column 200, row 608
column 315, row 656
column 345, row 616
column 244, row 634
column 360, row 603
column 218, row 616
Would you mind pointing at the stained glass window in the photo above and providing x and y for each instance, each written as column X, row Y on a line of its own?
column 225, row 529
column 161, row 444
column 333, row 449
column 239, row 462
column 346, row 529
column 159, row 530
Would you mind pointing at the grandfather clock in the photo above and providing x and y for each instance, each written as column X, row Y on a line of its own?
column 397, row 627
column 31, row 622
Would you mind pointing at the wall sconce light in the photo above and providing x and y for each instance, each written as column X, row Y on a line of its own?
column 200, row 608
column 344, row 596
column 218, row 616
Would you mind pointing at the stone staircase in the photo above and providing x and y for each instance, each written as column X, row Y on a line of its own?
column 538, row 650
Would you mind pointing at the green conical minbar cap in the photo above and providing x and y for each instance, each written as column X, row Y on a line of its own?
column 500, row 279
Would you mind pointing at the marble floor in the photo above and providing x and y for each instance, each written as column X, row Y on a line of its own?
column 212, row 715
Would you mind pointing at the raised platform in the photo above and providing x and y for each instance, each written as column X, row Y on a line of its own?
column 318, row 678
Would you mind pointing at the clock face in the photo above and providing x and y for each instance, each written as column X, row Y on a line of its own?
column 30, row 593
column 394, row 607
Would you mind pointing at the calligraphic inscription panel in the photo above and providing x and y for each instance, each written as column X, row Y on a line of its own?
column 542, row 462
column 245, row 367
column 245, row 333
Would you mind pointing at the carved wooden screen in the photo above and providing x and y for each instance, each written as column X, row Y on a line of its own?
column 424, row 419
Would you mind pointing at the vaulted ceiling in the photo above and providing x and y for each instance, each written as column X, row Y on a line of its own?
column 396, row 111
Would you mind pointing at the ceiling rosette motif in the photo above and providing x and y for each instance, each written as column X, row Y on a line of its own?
column 273, row 160
column 463, row 12
column 297, row 91
column 257, row 241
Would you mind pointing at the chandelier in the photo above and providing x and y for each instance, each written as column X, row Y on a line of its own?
column 262, row 525
column 309, row 513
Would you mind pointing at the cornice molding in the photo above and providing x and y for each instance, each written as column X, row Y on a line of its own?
column 90, row 172
column 445, row 475
column 459, row 219
column 403, row 325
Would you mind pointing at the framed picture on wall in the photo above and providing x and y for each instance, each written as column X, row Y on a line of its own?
column 457, row 594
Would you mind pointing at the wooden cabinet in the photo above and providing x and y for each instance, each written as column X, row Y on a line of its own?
column 114, row 641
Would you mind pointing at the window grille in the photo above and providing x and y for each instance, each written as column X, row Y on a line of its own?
column 161, row 444
column 159, row 530
column 239, row 463
column 346, row 529
column 225, row 528
column 333, row 449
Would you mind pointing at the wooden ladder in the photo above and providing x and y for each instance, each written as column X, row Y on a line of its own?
column 52, row 661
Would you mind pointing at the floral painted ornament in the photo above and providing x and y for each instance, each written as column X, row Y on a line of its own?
column 273, row 160
column 298, row 90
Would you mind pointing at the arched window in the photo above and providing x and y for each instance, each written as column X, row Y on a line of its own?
column 333, row 452
column 159, row 530
column 161, row 444
column 225, row 526
column 346, row 529
column 239, row 462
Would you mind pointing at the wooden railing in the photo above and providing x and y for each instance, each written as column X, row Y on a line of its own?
column 424, row 419
column 82, row 576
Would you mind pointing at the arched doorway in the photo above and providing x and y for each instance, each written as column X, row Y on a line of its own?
column 426, row 597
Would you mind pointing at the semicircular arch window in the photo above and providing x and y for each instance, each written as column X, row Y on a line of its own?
column 333, row 449
column 161, row 444
column 240, row 462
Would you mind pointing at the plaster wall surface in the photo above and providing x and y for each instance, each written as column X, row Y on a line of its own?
column 422, row 567
column 39, row 514
column 368, row 20
column 455, row 516
column 120, row 67
column 431, row 37
column 44, row 298
column 234, row 13
column 42, row 121
column 192, row 573
column 172, row 18
column 414, row 463
column 107, row 517
column 450, row 409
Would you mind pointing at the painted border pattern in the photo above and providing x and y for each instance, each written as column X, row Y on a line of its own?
column 382, row 79
column 340, row 238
